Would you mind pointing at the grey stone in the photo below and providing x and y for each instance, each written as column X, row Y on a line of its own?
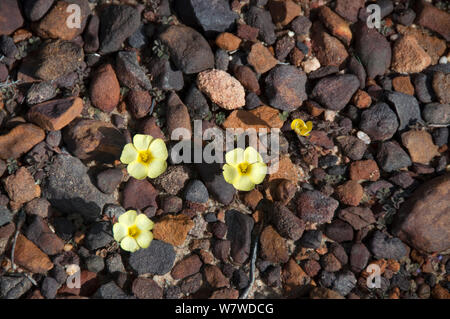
column 14, row 287
column 239, row 233
column 114, row 264
column 391, row 157
column 344, row 283
column 95, row 263
column 196, row 192
column 382, row 246
column 111, row 291
column 49, row 287
column 157, row 259
column 211, row 175
column 379, row 122
column 5, row 216
column 130, row 73
column 98, row 236
column 407, row 108
column 261, row 19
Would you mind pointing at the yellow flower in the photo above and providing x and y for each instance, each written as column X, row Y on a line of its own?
column 244, row 169
column 133, row 231
column 301, row 128
column 146, row 156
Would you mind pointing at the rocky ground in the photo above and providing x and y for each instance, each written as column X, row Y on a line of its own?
column 370, row 185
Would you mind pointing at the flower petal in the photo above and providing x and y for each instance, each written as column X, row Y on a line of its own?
column 244, row 183
column 230, row 173
column 144, row 239
column 137, row 170
column 297, row 123
column 309, row 125
column 258, row 172
column 235, row 157
column 251, row 155
column 143, row 222
column 129, row 154
column 142, row 142
column 129, row 244
column 158, row 149
column 156, row 168
column 128, row 218
column 119, row 231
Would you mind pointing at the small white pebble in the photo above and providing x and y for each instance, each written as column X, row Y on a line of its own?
column 329, row 115
column 72, row 269
column 291, row 33
column 310, row 65
column 394, row 37
column 363, row 137
column 443, row 60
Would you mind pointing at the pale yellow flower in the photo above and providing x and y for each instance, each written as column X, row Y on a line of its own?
column 146, row 156
column 244, row 169
column 301, row 128
column 133, row 231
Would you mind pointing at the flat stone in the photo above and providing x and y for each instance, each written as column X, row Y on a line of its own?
column 173, row 229
column 105, row 88
column 139, row 194
column 315, row 207
column 240, row 227
column 420, row 146
column 157, row 259
column 29, row 256
column 130, row 73
column 382, row 246
column 334, row 92
column 273, row 246
column 407, row 108
column 20, row 140
column 21, row 187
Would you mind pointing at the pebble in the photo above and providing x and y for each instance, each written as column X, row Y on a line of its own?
column 420, row 146
column 164, row 77
column 111, row 291
column 90, row 35
column 339, row 231
column 108, row 180
column 262, row 20
column 186, row 267
column 283, row 12
column 382, row 246
column 392, row 157
column 29, row 256
column 240, row 227
column 10, row 17
column 139, row 194
column 177, row 117
column 301, row 25
column 364, row 170
column 344, row 283
column 435, row 113
column 196, row 192
column 315, row 207
column 20, row 140
column 173, row 229
column 212, row 177
column 379, row 122
column 407, row 108
column 286, row 223
column 146, row 288
column 408, row 56
column 130, row 73
column 95, row 263
column 357, row 217
column 40, row 234
column 352, row 147
column 311, row 239
column 114, row 264
column 273, row 246
column 247, row 78
column 359, row 257
column 49, row 287
column 34, row 10
column 14, row 287
column 334, row 92
column 139, row 103
column 99, row 235
column 441, row 86
column 105, row 88
column 174, row 179
column 349, row 9
column 41, row 92
column 157, row 259
column 434, row 19
column 21, row 188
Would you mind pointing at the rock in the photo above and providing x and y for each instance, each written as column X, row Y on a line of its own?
column 315, row 207
column 214, row 277
column 40, row 234
column 330, row 263
column 435, row 113
column 178, row 118
column 239, row 234
column 56, row 114
column 139, row 194
column 211, row 17
column 392, row 157
column 98, row 236
column 20, row 140
column 139, row 103
column 285, row 191
column 221, row 248
column 403, row 85
column 240, row 279
column 191, row 284
column 171, row 204
column 114, row 264
column 197, row 104
column 273, row 246
column 359, row 257
column 5, row 216
column 94, row 263
column 157, row 259
column 117, row 23
column 329, row 50
column 189, row 51
column 352, row 147
column 173, row 229
column 39, row 207
column 146, row 288
column 355, row 67
column 293, row 277
column 334, row 92
column 186, row 267
column 283, row 47
column 408, row 56
column 130, row 73
column 382, row 246
column 357, row 217
column 423, row 88
column 339, row 231
column 263, row 117
column 434, row 19
column 55, row 23
column 49, row 287
column 10, row 17
column 140, row 37
column 14, row 287
column 110, row 291
column 228, row 41
column 301, row 25
column 324, row 293
column 164, row 77
column 41, row 92
column 53, row 59
column 174, row 179
column 69, row 189
column 407, row 108
column 364, row 170
column 441, row 86
column 21, row 188
column 105, row 89
column 362, row 99
column 426, row 232
column 35, row 9
column 379, row 122
column 349, row 9
column 286, row 223
column 283, row 12
column 337, row 26
column 344, row 283
column 222, row 89
column 311, row 239
column 90, row 35
column 148, row 126
column 420, row 146
column 211, row 175
column 262, row 20
column 196, row 192
column 373, row 49
column 29, row 256
column 247, row 78
column 108, row 180
column 94, row 140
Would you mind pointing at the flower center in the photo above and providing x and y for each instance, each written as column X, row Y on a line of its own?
column 133, row 231
column 244, row 168
column 145, row 157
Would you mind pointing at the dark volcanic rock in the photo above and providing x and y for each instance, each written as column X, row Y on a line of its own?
column 391, row 157
column 373, row 49
column 315, row 207
column 197, row 104
column 130, row 73
column 285, row 87
column 407, row 108
column 35, row 9
column 10, row 16
column 196, row 192
column 240, row 228
column 334, row 92
column 211, row 175
column 311, row 239
column 287, row 224
column 358, row 217
column 211, row 16
column 108, row 180
column 69, row 188
column 424, row 218
column 357, row 69
column 164, row 77
column 117, row 23
column 435, row 113
column 384, row 247
column 189, row 50
column 262, row 20
column 157, row 259
column 99, row 235
column 379, row 122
